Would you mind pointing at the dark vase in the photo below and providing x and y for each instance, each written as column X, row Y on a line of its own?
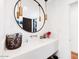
column 13, row 41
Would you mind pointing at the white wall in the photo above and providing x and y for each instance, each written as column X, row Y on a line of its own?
column 1, row 25
column 58, row 22
column 74, row 26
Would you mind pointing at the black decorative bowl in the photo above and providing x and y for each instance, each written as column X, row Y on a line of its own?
column 13, row 41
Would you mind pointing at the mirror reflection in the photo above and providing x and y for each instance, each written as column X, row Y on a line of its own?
column 29, row 15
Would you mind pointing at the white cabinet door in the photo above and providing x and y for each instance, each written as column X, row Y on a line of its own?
column 74, row 27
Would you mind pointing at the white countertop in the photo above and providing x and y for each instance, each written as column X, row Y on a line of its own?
column 29, row 46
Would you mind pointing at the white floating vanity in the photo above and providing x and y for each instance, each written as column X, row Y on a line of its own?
column 34, row 49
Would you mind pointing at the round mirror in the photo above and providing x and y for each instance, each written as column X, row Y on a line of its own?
column 29, row 15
